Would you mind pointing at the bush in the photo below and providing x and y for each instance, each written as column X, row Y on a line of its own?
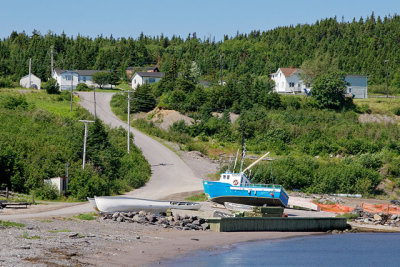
column 51, row 87
column 15, row 102
column 6, row 82
column 292, row 102
column 47, row 191
column 82, row 87
column 396, row 111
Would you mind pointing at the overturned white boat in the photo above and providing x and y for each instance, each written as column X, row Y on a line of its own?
column 109, row 204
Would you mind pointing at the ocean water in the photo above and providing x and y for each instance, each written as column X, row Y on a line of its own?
column 353, row 249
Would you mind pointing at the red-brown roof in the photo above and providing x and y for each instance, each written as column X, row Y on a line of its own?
column 289, row 71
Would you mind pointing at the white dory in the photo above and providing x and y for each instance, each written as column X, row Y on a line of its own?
column 110, row 204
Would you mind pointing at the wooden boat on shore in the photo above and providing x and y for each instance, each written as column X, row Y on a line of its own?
column 237, row 188
column 110, row 204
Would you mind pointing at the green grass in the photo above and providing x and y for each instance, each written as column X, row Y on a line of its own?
column 46, row 221
column 26, row 236
column 196, row 198
column 60, row 231
column 380, row 105
column 124, row 86
column 86, row 216
column 349, row 216
column 9, row 224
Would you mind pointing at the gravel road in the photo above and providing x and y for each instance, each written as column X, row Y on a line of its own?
column 170, row 174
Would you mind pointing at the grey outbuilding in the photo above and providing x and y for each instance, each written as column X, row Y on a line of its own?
column 30, row 81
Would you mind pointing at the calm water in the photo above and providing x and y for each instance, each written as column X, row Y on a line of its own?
column 361, row 249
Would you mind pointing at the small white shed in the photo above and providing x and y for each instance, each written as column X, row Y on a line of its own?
column 35, row 81
column 60, row 183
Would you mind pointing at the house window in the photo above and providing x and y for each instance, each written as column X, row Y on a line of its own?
column 152, row 80
column 68, row 77
column 349, row 90
column 134, row 81
column 84, row 78
column 291, row 84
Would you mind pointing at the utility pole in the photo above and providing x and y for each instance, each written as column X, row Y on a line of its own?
column 94, row 98
column 387, row 78
column 129, row 118
column 52, row 69
column 72, row 88
column 220, row 63
column 84, row 141
column 30, row 73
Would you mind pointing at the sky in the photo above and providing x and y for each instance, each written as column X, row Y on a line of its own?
column 208, row 18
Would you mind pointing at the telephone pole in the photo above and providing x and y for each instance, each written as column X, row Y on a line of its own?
column 52, row 69
column 94, row 98
column 220, row 64
column 84, row 141
column 30, row 73
column 129, row 118
column 387, row 78
column 72, row 88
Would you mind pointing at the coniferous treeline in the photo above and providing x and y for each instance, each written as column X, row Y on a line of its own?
column 358, row 47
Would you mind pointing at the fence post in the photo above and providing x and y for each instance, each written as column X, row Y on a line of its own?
column 7, row 192
column 33, row 199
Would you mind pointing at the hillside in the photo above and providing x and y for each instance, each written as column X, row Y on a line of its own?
column 40, row 138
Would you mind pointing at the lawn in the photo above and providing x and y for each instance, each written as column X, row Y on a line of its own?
column 380, row 105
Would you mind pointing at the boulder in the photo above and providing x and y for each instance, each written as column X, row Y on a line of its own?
column 377, row 217
column 120, row 219
column 205, row 226
column 115, row 215
column 142, row 213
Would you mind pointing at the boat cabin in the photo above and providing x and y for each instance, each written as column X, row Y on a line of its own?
column 236, row 179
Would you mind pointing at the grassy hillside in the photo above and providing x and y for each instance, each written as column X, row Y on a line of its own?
column 39, row 137
column 321, row 151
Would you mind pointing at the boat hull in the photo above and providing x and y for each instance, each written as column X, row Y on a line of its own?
column 110, row 204
column 220, row 192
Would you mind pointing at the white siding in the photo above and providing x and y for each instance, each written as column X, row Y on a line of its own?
column 136, row 81
column 35, row 82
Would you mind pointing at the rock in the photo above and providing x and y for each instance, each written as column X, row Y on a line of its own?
column 142, row 213
column 205, row 226
column 120, row 219
column 367, row 220
column 377, row 217
column 137, row 237
column 151, row 218
column 177, row 217
column 196, row 222
column 178, row 228
column 186, row 228
column 170, row 218
column 394, row 217
column 186, row 221
column 130, row 214
column 115, row 215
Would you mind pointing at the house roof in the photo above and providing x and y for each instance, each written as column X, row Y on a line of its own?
column 289, row 71
column 143, row 68
column 150, row 74
column 32, row 75
column 80, row 72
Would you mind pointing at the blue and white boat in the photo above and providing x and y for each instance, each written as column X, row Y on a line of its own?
column 237, row 188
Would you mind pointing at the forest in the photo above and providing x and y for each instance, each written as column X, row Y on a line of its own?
column 357, row 47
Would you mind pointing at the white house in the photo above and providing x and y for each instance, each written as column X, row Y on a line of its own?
column 288, row 80
column 30, row 81
column 142, row 77
column 357, row 85
column 71, row 78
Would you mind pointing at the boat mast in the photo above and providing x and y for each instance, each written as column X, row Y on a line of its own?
column 237, row 154
column 243, row 157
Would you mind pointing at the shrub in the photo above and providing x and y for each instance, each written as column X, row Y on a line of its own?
column 396, row 111
column 51, row 86
column 47, row 191
column 292, row 102
column 15, row 102
column 82, row 87
column 6, row 82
